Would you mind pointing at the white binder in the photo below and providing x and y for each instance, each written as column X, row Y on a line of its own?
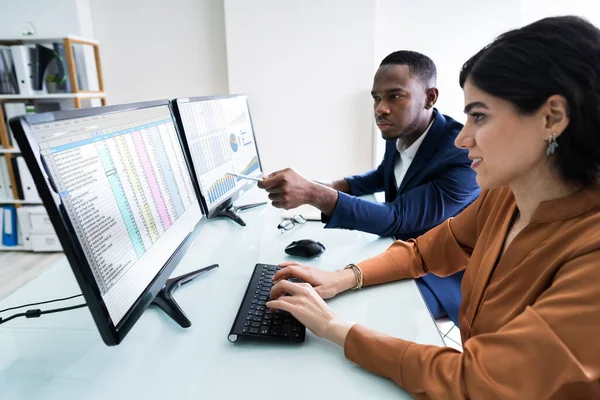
column 30, row 192
column 23, row 69
column 6, row 186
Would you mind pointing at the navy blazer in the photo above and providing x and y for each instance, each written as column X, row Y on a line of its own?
column 438, row 185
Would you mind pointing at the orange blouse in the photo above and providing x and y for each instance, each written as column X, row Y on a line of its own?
column 529, row 321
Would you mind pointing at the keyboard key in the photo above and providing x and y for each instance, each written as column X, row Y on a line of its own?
column 275, row 331
column 264, row 330
column 253, row 330
column 255, row 324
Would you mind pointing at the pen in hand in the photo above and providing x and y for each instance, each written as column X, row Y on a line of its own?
column 245, row 177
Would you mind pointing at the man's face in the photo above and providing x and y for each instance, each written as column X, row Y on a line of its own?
column 398, row 99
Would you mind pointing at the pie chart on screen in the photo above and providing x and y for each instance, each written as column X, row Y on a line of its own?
column 234, row 142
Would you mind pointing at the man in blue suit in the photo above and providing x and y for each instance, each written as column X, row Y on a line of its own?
column 425, row 177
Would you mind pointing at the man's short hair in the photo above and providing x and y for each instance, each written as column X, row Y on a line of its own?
column 419, row 64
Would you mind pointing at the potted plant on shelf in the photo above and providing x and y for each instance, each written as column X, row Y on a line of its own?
column 52, row 83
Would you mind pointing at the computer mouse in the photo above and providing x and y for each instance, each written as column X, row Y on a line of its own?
column 306, row 248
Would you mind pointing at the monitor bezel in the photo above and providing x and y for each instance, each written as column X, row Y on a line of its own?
column 111, row 334
column 227, row 201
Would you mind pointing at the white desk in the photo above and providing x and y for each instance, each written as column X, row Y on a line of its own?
column 61, row 356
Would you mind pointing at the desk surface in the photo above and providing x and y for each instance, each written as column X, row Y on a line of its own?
column 61, row 356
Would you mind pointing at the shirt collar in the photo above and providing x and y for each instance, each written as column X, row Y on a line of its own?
column 570, row 206
column 411, row 151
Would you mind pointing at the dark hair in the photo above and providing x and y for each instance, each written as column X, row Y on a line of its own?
column 559, row 55
column 418, row 64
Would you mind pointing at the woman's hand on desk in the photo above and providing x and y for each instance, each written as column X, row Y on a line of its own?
column 305, row 304
column 326, row 284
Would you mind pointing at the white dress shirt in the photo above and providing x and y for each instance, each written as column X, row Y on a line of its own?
column 407, row 155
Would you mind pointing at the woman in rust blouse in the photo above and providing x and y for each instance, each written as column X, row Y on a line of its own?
column 530, row 316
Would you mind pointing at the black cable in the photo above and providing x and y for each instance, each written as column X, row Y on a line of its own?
column 41, row 302
column 36, row 313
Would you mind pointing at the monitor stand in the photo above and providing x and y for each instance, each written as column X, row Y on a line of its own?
column 165, row 301
column 232, row 212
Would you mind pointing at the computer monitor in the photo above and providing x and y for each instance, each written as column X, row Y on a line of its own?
column 117, row 186
column 220, row 139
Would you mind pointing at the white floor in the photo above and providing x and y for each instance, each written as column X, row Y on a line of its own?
column 18, row 267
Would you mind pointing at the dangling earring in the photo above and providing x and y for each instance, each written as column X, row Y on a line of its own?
column 552, row 145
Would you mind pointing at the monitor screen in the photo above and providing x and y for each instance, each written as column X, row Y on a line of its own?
column 121, row 180
column 220, row 137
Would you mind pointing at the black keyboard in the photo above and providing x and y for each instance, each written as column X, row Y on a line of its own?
column 255, row 320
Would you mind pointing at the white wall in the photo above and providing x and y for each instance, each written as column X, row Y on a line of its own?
column 452, row 31
column 449, row 32
column 532, row 10
column 157, row 49
column 17, row 15
column 307, row 68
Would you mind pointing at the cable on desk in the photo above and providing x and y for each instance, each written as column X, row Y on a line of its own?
column 41, row 302
column 36, row 312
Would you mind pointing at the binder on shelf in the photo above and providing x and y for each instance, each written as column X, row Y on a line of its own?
column 9, row 226
column 65, row 84
column 6, row 192
column 8, row 78
column 23, row 69
column 25, row 185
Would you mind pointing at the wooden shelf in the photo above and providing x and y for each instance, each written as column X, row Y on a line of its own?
column 13, row 201
column 51, row 39
column 40, row 96
column 12, row 248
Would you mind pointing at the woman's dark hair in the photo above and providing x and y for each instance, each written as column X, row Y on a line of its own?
column 559, row 55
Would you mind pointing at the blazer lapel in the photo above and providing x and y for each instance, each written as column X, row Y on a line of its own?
column 426, row 151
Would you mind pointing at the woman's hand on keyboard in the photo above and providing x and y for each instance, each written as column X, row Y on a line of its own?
column 307, row 306
column 326, row 284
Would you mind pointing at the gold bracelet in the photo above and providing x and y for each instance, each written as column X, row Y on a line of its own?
column 357, row 274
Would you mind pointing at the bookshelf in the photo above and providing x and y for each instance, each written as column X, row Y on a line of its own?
column 51, row 96
column 76, row 95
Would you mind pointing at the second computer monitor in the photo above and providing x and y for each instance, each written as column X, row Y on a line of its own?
column 220, row 139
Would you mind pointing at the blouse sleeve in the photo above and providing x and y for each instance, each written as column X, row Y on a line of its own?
column 444, row 250
column 551, row 344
